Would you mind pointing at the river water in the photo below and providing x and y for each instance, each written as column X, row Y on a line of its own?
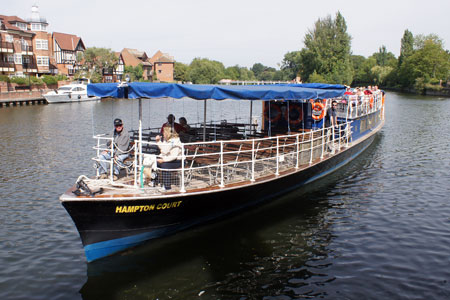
column 378, row 228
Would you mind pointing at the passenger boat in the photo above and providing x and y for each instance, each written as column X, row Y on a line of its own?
column 225, row 167
column 73, row 92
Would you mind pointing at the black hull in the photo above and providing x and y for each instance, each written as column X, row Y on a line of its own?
column 107, row 226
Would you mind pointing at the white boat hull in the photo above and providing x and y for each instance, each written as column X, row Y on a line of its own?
column 67, row 99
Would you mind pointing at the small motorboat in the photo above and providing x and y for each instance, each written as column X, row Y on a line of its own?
column 74, row 92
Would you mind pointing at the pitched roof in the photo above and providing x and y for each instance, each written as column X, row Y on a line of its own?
column 134, row 57
column 67, row 41
column 162, row 58
column 9, row 20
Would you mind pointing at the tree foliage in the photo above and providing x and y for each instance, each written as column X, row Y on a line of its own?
column 180, row 72
column 205, row 71
column 327, row 51
column 94, row 61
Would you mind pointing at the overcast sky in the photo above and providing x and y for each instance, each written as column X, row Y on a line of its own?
column 234, row 32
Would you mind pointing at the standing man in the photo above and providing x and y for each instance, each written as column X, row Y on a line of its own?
column 331, row 117
column 331, row 120
column 121, row 143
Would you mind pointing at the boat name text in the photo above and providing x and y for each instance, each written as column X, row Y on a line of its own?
column 145, row 208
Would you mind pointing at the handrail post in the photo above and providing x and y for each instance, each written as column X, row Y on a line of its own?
column 278, row 152
column 183, row 158
column 135, row 165
column 253, row 161
column 311, row 147
column 221, row 165
column 297, row 150
column 323, row 141
column 111, row 169
column 98, row 154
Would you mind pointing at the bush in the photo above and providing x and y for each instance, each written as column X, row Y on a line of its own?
column 434, row 81
column 49, row 80
column 19, row 80
column 36, row 80
column 5, row 78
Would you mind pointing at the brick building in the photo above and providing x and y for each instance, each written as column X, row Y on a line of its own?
column 28, row 49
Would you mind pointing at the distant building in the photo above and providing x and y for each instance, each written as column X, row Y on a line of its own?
column 133, row 57
column 163, row 65
column 114, row 74
column 159, row 67
column 16, row 50
column 66, row 48
column 26, row 48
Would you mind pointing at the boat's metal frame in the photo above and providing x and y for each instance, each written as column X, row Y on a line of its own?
column 216, row 178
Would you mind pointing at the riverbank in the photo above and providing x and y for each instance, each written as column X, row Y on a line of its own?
column 444, row 92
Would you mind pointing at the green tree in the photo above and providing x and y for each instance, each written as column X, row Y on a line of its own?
column 135, row 73
column 327, row 51
column 385, row 58
column 257, row 69
column 291, row 64
column 358, row 72
column 180, row 72
column 407, row 46
column 94, row 61
column 429, row 61
column 205, row 71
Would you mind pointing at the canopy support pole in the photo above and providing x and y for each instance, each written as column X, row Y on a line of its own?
column 204, row 120
column 251, row 117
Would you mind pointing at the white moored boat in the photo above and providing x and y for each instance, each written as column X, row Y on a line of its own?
column 74, row 92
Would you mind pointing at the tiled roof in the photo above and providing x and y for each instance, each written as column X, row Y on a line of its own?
column 67, row 41
column 133, row 57
column 9, row 20
column 162, row 58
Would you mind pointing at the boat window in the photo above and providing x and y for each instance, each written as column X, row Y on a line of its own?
column 64, row 88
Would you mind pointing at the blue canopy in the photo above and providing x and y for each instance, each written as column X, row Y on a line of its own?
column 218, row 92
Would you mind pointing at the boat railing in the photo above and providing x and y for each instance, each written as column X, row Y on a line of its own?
column 220, row 163
column 354, row 106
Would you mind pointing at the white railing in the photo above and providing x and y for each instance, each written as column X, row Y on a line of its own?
column 218, row 163
column 358, row 106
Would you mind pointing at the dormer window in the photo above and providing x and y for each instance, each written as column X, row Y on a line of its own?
column 22, row 26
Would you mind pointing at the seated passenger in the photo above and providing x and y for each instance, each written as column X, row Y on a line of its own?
column 186, row 135
column 170, row 156
column 171, row 124
column 121, row 143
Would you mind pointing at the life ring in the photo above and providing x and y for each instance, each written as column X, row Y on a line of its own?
column 275, row 113
column 371, row 102
column 295, row 114
column 318, row 110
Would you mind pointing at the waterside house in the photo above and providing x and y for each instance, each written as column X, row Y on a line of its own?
column 27, row 49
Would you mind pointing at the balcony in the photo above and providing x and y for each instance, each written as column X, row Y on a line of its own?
column 7, row 66
column 6, row 47
column 29, row 67
column 27, row 50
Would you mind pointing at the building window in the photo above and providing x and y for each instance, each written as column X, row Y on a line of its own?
column 9, row 38
column 38, row 27
column 159, row 71
column 108, row 79
column 26, row 59
column 24, row 45
column 42, row 60
column 22, row 26
column 11, row 58
column 41, row 44
column 18, row 59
